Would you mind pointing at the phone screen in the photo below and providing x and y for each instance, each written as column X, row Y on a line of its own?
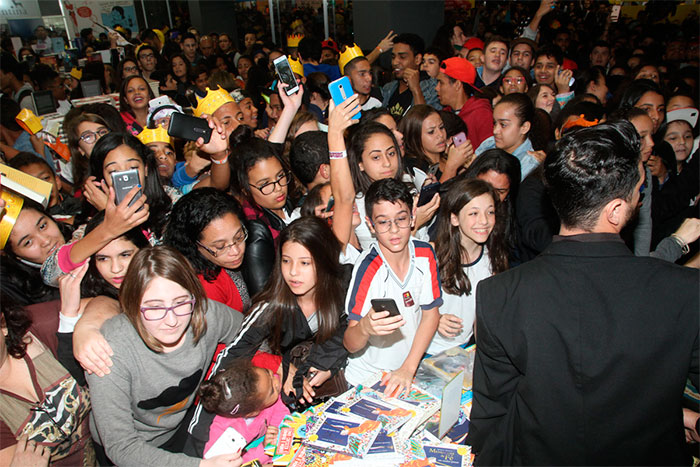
column 285, row 73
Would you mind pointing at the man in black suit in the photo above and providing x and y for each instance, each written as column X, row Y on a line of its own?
column 583, row 353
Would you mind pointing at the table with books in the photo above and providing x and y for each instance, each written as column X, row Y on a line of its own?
column 363, row 427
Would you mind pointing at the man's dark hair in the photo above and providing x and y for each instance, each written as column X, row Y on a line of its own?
column 387, row 189
column 8, row 111
column 8, row 64
column 24, row 158
column 149, row 34
column 147, row 47
column 350, row 66
column 188, row 35
column 591, row 167
column 601, row 44
column 496, row 38
column 309, row 49
column 549, row 51
column 414, row 41
column 85, row 33
column 309, row 150
column 43, row 75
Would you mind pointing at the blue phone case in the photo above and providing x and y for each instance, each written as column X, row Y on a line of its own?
column 341, row 89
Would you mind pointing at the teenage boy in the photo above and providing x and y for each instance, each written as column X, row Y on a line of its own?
column 548, row 70
column 359, row 71
column 495, row 59
column 400, row 268
column 410, row 87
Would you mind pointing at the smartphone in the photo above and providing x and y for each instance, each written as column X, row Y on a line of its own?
column 427, row 193
column 329, row 206
column 286, row 75
column 189, row 127
column 459, row 139
column 230, row 442
column 123, row 182
column 385, row 304
column 433, row 169
column 341, row 89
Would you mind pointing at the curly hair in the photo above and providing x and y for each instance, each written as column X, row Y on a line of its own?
column 232, row 392
column 17, row 323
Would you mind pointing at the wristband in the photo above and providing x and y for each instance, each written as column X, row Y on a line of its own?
column 221, row 162
column 685, row 249
column 337, row 154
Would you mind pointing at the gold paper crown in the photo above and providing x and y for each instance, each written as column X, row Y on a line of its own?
column 212, row 101
column 294, row 39
column 13, row 206
column 349, row 54
column 138, row 48
column 296, row 65
column 76, row 73
column 155, row 135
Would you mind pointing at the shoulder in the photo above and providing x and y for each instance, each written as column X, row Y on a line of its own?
column 423, row 249
column 369, row 260
column 118, row 328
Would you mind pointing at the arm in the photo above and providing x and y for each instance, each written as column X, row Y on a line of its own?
column 218, row 150
column 412, row 79
column 259, row 256
column 374, row 323
column 383, row 46
column 545, row 7
column 89, row 345
column 291, row 106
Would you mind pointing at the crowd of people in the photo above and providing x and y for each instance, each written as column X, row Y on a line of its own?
column 530, row 186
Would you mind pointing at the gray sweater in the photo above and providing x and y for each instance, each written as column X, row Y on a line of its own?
column 140, row 404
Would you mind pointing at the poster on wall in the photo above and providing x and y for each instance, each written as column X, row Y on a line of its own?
column 85, row 13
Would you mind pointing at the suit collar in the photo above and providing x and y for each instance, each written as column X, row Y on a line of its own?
column 593, row 244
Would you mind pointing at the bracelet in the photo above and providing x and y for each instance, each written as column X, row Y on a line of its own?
column 337, row 154
column 685, row 249
column 221, row 162
column 380, row 50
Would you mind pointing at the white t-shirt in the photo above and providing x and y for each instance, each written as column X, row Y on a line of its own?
column 372, row 103
column 372, row 277
column 463, row 306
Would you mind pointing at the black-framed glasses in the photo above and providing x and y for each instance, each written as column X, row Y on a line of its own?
column 90, row 137
column 384, row 225
column 220, row 251
column 269, row 187
column 156, row 313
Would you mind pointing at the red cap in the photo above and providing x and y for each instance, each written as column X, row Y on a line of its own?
column 473, row 43
column 330, row 44
column 569, row 64
column 460, row 69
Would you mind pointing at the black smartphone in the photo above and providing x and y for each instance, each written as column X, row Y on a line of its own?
column 385, row 304
column 427, row 193
column 329, row 206
column 123, row 182
column 189, row 127
column 433, row 169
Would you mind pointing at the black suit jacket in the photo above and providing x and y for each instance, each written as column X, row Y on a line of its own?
column 582, row 356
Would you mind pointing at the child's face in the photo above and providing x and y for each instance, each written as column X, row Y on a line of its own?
column 391, row 223
column 269, row 183
column 269, row 385
column 113, row 260
column 380, row 158
column 475, row 220
column 298, row 269
column 165, row 157
column 42, row 172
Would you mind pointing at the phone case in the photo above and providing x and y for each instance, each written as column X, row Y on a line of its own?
column 341, row 89
column 459, row 139
column 188, row 127
column 385, row 304
column 123, row 182
column 427, row 193
column 286, row 75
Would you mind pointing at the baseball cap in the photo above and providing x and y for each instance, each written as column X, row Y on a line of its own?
column 460, row 69
column 473, row 43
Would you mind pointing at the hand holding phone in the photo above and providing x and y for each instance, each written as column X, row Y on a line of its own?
column 341, row 89
column 286, row 75
column 123, row 182
column 189, row 127
column 385, row 304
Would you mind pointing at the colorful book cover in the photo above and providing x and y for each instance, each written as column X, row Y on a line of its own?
column 390, row 415
column 448, row 455
column 343, row 434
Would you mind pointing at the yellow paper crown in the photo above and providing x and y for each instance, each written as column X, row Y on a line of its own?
column 212, row 101
column 76, row 73
column 349, row 54
column 155, row 135
column 161, row 36
column 29, row 122
column 296, row 65
column 13, row 206
column 294, row 39
column 138, row 48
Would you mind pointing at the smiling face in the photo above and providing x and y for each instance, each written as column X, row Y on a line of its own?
column 513, row 81
column 113, row 260
column 508, row 131
column 35, row 236
column 137, row 94
column 120, row 159
column 298, row 269
column 380, row 159
column 433, row 137
column 475, row 221
column 266, row 171
column 250, row 112
column 495, row 56
column 218, row 235
column 402, row 57
column 545, row 99
column 545, row 69
column 653, row 104
column 680, row 136
column 170, row 330
column 476, row 57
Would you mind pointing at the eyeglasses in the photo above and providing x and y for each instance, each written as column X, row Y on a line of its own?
column 220, row 251
column 129, row 69
column 90, row 137
column 269, row 187
column 518, row 80
column 384, row 225
column 156, row 313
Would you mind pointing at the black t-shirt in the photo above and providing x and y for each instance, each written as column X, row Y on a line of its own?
column 399, row 103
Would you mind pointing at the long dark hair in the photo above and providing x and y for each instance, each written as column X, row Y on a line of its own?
column 448, row 242
column 17, row 322
column 188, row 67
column 190, row 216
column 158, row 201
column 22, row 282
column 411, row 126
column 93, row 283
column 314, row 235
column 123, row 104
column 358, row 139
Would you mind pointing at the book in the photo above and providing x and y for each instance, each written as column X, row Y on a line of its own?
column 344, row 435
column 25, row 185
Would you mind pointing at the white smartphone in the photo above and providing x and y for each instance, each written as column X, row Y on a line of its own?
column 285, row 74
column 229, row 442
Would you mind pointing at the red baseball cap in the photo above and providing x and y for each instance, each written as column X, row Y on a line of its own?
column 460, row 69
column 330, row 44
column 473, row 43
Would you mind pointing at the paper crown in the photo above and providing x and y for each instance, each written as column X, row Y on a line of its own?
column 296, row 65
column 76, row 73
column 294, row 39
column 297, row 23
column 120, row 29
column 29, row 122
column 349, row 54
column 161, row 36
column 138, row 48
column 13, row 206
column 155, row 135
column 212, row 101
